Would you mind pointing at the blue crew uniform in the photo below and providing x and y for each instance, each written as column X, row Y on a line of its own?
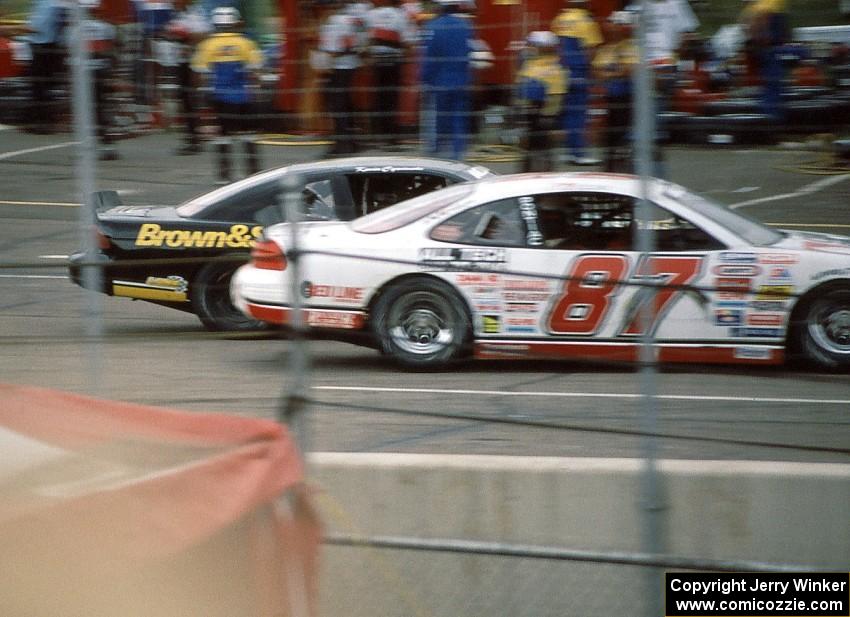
column 447, row 73
column 767, row 25
column 578, row 35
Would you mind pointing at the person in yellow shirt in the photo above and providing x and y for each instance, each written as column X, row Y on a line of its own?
column 578, row 37
column 542, row 83
column 614, row 65
column 230, row 59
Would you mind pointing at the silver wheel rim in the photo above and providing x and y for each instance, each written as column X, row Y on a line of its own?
column 420, row 323
column 829, row 326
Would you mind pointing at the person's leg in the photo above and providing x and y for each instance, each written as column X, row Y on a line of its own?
column 248, row 128
column 393, row 95
column 224, row 116
column 442, row 120
column 460, row 106
column 192, row 143
column 39, row 115
column 576, row 124
column 102, row 114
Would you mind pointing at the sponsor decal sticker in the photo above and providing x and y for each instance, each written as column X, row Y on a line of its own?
column 521, row 321
column 333, row 292
column 239, row 236
column 739, row 285
column 386, row 169
column 767, row 305
column 177, row 283
column 478, row 279
column 736, row 257
column 827, row 245
column 774, row 292
column 737, row 270
column 779, row 273
column 753, row 353
column 528, row 212
column 728, row 317
column 748, row 332
column 766, row 319
column 491, row 324
column 524, row 296
column 837, row 272
column 521, row 307
column 526, row 285
column 464, row 257
column 779, row 258
column 333, row 319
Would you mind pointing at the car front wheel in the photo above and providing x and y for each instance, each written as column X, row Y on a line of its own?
column 825, row 330
column 210, row 295
column 421, row 323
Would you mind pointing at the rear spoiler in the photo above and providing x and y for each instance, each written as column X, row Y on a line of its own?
column 104, row 200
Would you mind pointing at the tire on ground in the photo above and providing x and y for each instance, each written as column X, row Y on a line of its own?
column 210, row 296
column 821, row 332
column 422, row 323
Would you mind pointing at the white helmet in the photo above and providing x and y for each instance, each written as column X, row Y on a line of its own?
column 623, row 18
column 480, row 55
column 543, row 38
column 225, row 16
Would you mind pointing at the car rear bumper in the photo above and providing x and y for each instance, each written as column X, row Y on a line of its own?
column 97, row 278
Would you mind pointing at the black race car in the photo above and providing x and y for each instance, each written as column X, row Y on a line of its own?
column 183, row 257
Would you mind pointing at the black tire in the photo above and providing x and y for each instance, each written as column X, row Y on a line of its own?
column 421, row 323
column 210, row 296
column 823, row 331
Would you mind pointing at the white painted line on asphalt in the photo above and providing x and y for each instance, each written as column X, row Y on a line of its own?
column 9, row 155
column 53, row 257
column 6, row 127
column 64, row 204
column 666, row 397
column 32, row 276
column 814, row 187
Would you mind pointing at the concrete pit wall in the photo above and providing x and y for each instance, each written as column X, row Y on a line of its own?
column 794, row 513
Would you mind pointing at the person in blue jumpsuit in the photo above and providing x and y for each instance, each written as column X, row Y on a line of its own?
column 447, row 75
column 579, row 35
column 766, row 25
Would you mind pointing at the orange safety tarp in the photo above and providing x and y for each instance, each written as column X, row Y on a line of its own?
column 110, row 508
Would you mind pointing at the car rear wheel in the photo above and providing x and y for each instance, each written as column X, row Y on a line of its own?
column 824, row 332
column 210, row 295
column 421, row 323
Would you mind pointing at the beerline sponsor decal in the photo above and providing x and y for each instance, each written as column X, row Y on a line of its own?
column 334, row 292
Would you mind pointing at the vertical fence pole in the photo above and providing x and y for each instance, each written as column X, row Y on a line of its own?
column 92, row 277
column 293, row 405
column 644, row 137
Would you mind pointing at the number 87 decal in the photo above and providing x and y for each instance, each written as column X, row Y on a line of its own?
column 595, row 280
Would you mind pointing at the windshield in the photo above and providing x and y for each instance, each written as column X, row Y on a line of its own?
column 751, row 230
column 411, row 210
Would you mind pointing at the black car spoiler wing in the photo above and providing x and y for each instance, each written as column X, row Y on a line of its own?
column 104, row 200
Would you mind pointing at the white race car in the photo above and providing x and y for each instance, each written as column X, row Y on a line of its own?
column 545, row 265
